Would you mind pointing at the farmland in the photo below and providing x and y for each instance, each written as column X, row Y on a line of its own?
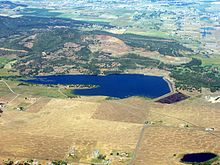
column 49, row 127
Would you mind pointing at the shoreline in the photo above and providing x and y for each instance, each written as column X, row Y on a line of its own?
column 170, row 84
column 164, row 77
column 172, row 91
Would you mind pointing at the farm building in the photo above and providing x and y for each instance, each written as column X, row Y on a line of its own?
column 2, row 105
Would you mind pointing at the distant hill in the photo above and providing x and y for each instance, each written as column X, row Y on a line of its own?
column 10, row 5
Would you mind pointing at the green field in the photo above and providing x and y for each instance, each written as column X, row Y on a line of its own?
column 3, row 61
column 210, row 61
column 34, row 90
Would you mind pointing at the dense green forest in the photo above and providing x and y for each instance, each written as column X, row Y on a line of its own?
column 194, row 76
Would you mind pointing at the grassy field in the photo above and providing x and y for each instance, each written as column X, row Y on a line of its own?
column 213, row 61
column 3, row 90
column 210, row 61
column 36, row 90
column 3, row 61
column 5, row 72
column 50, row 127
column 5, row 66
column 148, row 33
column 62, row 124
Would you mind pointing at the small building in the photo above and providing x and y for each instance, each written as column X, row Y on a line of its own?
column 35, row 162
column 209, row 129
column 106, row 162
column 213, row 99
column 183, row 125
column 72, row 152
column 124, row 154
column 95, row 154
column 2, row 105
column 20, row 108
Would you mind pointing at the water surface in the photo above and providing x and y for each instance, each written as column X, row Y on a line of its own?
column 115, row 85
column 198, row 157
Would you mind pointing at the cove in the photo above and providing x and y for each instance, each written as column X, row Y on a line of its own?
column 114, row 85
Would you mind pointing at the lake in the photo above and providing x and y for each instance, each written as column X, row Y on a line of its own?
column 115, row 85
column 198, row 157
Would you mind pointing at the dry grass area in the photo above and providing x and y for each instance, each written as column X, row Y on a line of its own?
column 114, row 111
column 166, row 59
column 50, row 127
column 118, row 48
column 38, row 105
column 150, row 71
column 164, row 145
column 111, row 45
column 167, row 134
column 59, row 125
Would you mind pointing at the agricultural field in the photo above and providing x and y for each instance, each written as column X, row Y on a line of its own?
column 50, row 127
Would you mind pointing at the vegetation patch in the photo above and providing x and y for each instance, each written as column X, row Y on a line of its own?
column 163, row 46
column 3, row 62
column 194, row 76
column 176, row 97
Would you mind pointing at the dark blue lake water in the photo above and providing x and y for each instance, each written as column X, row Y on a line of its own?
column 197, row 157
column 115, row 85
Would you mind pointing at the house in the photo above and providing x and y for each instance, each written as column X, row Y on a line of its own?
column 95, row 154
column 20, row 108
column 213, row 99
column 2, row 105
column 72, row 152
column 209, row 129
